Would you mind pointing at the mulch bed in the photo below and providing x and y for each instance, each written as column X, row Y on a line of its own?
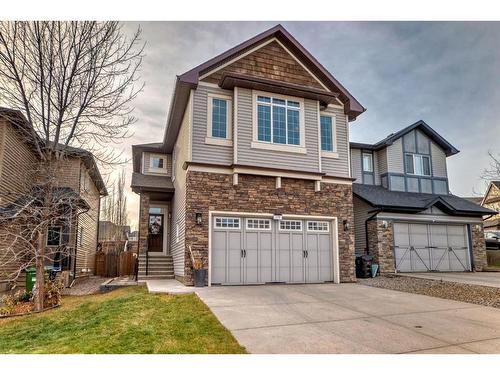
column 25, row 308
column 477, row 294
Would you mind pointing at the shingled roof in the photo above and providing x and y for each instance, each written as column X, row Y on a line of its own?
column 384, row 199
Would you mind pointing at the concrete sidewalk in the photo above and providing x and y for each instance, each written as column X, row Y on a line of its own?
column 168, row 286
column 351, row 318
column 474, row 278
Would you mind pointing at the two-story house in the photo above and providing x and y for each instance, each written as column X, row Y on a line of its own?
column 253, row 173
column 491, row 200
column 404, row 213
column 79, row 181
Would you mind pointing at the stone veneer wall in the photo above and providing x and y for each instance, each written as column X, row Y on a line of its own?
column 478, row 247
column 143, row 223
column 380, row 242
column 210, row 191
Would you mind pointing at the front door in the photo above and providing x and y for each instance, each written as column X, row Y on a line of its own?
column 155, row 233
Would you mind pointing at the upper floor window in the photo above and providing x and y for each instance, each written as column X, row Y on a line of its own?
column 418, row 164
column 278, row 120
column 367, row 162
column 219, row 119
column 157, row 162
column 326, row 133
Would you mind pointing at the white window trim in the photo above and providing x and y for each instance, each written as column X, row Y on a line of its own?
column 318, row 231
column 300, row 148
column 177, row 232
column 60, row 235
column 414, row 156
column 290, row 230
column 334, row 153
column 174, row 161
column 227, row 217
column 229, row 120
column 363, row 163
column 263, row 229
column 158, row 156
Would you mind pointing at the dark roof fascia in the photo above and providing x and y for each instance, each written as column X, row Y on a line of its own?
column 362, row 146
column 231, row 80
column 189, row 80
column 178, row 104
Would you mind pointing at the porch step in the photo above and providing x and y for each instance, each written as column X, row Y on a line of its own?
column 160, row 266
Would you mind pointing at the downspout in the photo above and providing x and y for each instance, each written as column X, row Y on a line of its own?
column 366, row 228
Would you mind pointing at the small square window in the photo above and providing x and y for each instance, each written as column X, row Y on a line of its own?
column 157, row 162
column 318, row 226
column 292, row 225
column 264, row 224
column 227, row 222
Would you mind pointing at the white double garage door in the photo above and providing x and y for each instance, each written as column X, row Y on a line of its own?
column 257, row 250
column 431, row 247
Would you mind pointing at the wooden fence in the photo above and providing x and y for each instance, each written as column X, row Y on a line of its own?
column 113, row 264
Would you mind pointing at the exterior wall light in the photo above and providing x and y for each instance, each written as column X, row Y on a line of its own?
column 345, row 223
column 198, row 218
column 385, row 224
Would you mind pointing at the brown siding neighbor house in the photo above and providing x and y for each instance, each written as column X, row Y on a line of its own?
column 79, row 177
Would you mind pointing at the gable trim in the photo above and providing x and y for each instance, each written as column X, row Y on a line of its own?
column 256, row 48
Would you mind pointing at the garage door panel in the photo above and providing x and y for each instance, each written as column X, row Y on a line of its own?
column 447, row 247
column 234, row 274
column 256, row 252
column 219, row 257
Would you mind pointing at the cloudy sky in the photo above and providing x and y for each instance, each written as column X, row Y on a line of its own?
column 447, row 74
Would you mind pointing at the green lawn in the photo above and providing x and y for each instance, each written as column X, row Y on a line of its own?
column 124, row 321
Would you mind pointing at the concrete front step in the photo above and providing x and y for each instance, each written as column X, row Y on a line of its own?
column 159, row 273
column 153, row 277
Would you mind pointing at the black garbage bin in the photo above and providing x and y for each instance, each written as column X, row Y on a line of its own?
column 363, row 266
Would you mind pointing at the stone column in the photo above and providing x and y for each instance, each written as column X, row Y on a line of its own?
column 143, row 223
column 380, row 242
column 478, row 246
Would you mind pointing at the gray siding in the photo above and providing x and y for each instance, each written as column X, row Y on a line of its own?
column 376, row 169
column 356, row 165
column 270, row 158
column 438, row 161
column 340, row 165
column 177, row 243
column 395, row 162
column 202, row 152
column 147, row 170
column 361, row 210
column 382, row 161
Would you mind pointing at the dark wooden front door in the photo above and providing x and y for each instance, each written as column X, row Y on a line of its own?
column 155, row 233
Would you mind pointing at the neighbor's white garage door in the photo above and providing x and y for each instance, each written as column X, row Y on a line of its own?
column 253, row 250
column 431, row 247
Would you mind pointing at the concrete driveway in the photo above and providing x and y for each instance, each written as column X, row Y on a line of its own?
column 351, row 318
column 474, row 278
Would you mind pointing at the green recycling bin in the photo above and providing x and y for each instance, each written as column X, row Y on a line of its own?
column 30, row 279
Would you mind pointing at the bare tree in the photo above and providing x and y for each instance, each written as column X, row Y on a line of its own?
column 74, row 82
column 493, row 171
column 114, row 206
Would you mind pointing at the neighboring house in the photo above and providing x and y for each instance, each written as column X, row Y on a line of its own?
column 253, row 172
column 109, row 231
column 491, row 200
column 79, row 180
column 404, row 214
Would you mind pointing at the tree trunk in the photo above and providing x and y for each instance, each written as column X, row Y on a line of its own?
column 40, row 273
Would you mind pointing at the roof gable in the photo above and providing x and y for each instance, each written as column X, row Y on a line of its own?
column 269, row 60
column 447, row 147
column 189, row 80
column 492, row 193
